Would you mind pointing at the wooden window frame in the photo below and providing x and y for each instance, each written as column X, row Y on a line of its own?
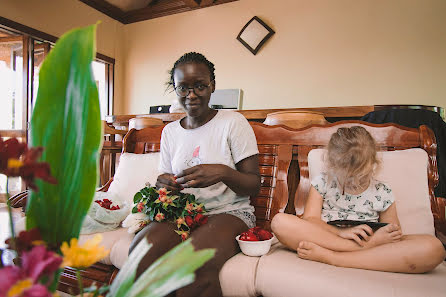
column 29, row 36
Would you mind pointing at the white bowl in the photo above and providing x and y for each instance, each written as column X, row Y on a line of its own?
column 254, row 248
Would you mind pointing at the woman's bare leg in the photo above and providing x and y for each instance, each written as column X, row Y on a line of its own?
column 290, row 230
column 412, row 254
column 219, row 233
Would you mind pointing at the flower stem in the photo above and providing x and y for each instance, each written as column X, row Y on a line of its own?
column 79, row 280
column 11, row 223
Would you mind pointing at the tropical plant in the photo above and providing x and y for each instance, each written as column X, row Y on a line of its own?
column 66, row 121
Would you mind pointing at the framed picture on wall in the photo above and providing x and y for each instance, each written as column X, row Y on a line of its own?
column 254, row 34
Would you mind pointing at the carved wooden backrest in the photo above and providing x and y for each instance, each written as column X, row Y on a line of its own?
column 389, row 137
column 274, row 162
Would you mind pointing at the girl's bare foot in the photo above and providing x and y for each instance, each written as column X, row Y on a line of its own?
column 387, row 234
column 311, row 251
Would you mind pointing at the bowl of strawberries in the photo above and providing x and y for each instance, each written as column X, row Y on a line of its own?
column 255, row 242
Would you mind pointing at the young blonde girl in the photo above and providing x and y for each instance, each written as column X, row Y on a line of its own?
column 349, row 191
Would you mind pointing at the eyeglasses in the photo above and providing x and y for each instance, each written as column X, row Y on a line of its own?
column 199, row 89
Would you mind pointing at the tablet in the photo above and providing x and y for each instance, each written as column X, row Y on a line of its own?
column 350, row 223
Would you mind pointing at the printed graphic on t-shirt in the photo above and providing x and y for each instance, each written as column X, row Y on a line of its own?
column 195, row 158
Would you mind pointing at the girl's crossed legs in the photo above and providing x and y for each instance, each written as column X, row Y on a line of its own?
column 410, row 254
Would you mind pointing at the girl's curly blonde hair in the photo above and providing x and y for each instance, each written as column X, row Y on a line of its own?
column 351, row 158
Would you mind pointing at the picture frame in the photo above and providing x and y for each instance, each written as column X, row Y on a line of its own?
column 254, row 34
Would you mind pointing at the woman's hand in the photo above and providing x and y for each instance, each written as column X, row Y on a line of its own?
column 359, row 233
column 201, row 176
column 169, row 182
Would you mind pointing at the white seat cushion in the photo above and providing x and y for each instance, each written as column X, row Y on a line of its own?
column 237, row 276
column 133, row 172
column 117, row 242
column 282, row 273
column 406, row 173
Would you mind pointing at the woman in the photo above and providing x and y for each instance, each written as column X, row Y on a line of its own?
column 213, row 155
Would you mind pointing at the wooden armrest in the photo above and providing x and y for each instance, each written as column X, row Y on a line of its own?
column 19, row 200
column 105, row 187
column 439, row 208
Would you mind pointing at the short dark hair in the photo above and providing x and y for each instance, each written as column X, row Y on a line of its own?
column 191, row 57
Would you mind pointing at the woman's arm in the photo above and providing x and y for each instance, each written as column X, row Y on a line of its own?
column 244, row 181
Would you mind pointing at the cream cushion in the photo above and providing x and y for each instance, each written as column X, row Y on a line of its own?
column 406, row 173
column 117, row 242
column 133, row 172
column 282, row 273
column 237, row 276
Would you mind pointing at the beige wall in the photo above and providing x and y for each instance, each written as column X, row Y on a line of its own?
column 58, row 16
column 324, row 53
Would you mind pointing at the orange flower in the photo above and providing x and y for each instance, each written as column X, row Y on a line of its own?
column 180, row 221
column 184, row 234
column 159, row 217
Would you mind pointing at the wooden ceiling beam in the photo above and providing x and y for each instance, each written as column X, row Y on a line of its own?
column 204, row 3
column 155, row 9
column 106, row 8
column 191, row 3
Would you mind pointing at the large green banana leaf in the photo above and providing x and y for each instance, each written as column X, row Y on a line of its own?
column 173, row 270
column 66, row 122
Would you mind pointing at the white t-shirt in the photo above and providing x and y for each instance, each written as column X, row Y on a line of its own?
column 362, row 207
column 226, row 139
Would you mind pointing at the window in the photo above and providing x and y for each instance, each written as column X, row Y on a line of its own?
column 21, row 47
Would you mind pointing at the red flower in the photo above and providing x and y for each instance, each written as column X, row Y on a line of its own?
column 26, row 240
column 16, row 159
column 189, row 221
column 140, row 206
column 184, row 235
column 200, row 219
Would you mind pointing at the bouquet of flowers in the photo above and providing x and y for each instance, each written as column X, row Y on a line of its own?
column 181, row 209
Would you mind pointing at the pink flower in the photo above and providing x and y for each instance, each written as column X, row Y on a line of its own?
column 162, row 192
column 22, row 281
column 159, row 217
column 189, row 207
column 162, row 198
column 140, row 206
column 180, row 221
column 39, row 261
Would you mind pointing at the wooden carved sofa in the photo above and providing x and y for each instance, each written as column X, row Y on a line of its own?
column 285, row 170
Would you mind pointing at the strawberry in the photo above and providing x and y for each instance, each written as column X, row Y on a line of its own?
column 250, row 237
column 264, row 234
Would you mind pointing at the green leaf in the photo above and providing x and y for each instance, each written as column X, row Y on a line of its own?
column 66, row 122
column 126, row 276
column 173, row 270
column 137, row 197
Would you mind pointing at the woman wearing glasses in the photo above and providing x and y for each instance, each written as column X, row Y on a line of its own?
column 212, row 154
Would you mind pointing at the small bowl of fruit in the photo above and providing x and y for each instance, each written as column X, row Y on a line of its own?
column 255, row 242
